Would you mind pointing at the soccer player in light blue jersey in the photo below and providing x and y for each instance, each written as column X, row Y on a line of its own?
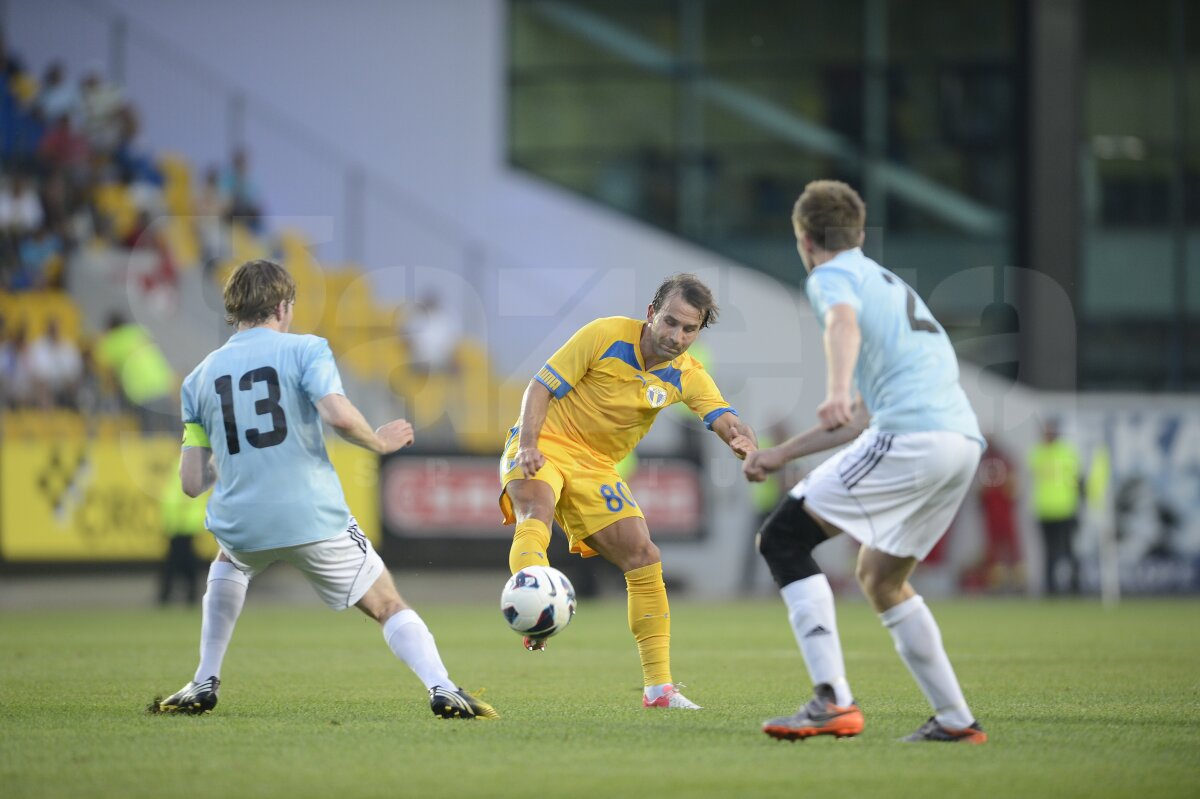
column 254, row 413
column 892, row 389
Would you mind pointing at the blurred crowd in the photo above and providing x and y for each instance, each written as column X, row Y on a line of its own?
column 72, row 176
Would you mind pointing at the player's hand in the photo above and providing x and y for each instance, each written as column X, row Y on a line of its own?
column 395, row 435
column 761, row 462
column 741, row 443
column 530, row 459
column 836, row 410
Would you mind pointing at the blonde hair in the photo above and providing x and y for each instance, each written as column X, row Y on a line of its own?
column 254, row 290
column 831, row 213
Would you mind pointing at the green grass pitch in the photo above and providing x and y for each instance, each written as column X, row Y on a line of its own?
column 1079, row 702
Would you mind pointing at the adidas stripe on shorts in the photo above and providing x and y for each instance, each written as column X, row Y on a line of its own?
column 894, row 492
column 340, row 569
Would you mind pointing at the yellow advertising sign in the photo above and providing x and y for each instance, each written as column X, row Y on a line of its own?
column 71, row 499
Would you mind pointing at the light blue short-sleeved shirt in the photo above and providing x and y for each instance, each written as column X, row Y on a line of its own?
column 907, row 371
column 256, row 399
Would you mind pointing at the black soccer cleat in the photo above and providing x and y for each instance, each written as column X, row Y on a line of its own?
column 193, row 699
column 458, row 704
column 932, row 730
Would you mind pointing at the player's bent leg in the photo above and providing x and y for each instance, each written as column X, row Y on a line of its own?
column 918, row 641
column 786, row 541
column 884, row 578
column 381, row 601
column 410, row 641
column 626, row 544
column 533, row 505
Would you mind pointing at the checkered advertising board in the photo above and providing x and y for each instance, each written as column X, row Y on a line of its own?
column 81, row 500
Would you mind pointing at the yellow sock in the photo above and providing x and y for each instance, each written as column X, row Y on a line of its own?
column 650, row 621
column 529, row 545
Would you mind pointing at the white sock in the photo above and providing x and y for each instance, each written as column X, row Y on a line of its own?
column 810, row 610
column 410, row 640
column 222, row 605
column 919, row 642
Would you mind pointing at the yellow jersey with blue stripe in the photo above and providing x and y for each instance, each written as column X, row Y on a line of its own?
column 606, row 399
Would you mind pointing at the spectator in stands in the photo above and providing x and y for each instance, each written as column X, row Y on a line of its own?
column 211, row 207
column 20, row 129
column 63, row 147
column 16, row 383
column 128, row 157
column 146, row 379
column 433, row 335
column 20, row 207
column 40, row 259
column 20, row 215
column 68, row 215
column 102, row 103
column 56, row 369
column 58, row 98
column 182, row 520
column 241, row 193
column 1057, row 487
column 145, row 191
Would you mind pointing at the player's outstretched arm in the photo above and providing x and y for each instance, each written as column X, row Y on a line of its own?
column 737, row 434
column 196, row 471
column 818, row 438
column 349, row 423
column 534, row 405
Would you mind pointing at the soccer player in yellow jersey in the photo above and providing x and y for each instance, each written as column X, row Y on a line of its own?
column 583, row 412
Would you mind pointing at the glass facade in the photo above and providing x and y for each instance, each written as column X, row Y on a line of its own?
column 706, row 118
column 1140, row 155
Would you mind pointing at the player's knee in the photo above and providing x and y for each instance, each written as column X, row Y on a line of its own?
column 786, row 541
column 384, row 609
column 642, row 554
column 530, row 504
column 881, row 589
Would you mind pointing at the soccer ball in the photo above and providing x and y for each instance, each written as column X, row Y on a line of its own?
column 538, row 601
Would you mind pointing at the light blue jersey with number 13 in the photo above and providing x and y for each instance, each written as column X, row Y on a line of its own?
column 907, row 371
column 256, row 399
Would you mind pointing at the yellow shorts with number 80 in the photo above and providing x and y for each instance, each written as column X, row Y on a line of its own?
column 589, row 495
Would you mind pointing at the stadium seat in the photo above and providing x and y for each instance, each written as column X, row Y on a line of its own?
column 177, row 184
column 245, row 246
column 116, row 205
column 182, row 241
column 33, row 310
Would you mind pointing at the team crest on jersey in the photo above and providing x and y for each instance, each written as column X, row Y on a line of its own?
column 656, row 396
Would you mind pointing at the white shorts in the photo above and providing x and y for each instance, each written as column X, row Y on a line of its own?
column 894, row 492
column 341, row 569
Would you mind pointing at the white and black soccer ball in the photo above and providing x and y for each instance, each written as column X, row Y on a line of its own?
column 538, row 601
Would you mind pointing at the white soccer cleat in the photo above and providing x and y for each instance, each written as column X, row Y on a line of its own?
column 671, row 698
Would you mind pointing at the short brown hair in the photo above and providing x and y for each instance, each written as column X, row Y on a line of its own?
column 694, row 293
column 832, row 214
column 254, row 290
